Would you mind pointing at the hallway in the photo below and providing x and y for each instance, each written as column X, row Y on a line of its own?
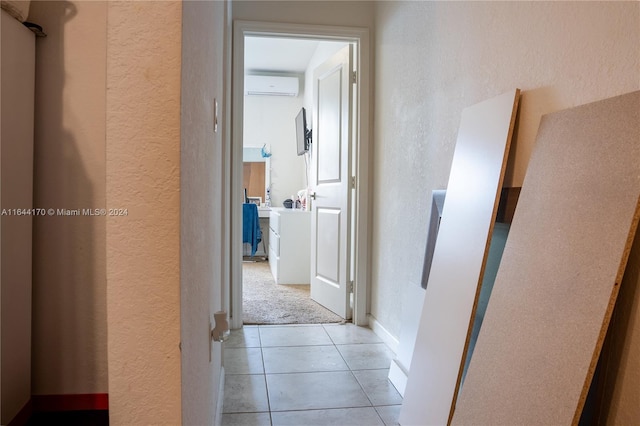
column 308, row 374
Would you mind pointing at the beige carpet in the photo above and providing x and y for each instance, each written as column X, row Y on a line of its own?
column 265, row 302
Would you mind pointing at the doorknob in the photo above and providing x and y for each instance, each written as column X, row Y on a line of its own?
column 312, row 195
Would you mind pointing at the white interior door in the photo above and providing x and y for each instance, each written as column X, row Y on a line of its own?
column 330, row 178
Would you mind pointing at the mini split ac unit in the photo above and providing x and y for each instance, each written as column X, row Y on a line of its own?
column 270, row 85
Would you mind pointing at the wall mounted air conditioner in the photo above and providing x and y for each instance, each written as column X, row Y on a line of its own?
column 270, row 85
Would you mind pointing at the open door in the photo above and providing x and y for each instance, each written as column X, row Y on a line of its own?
column 330, row 181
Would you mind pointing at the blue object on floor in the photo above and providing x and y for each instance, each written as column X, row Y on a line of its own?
column 251, row 232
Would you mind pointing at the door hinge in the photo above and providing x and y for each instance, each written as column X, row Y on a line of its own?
column 354, row 77
column 353, row 182
column 350, row 286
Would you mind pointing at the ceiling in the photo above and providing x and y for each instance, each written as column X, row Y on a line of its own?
column 277, row 55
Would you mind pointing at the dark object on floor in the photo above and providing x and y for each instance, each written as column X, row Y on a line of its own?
column 70, row 418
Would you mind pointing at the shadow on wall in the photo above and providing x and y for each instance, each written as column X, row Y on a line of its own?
column 69, row 270
column 533, row 105
column 618, row 352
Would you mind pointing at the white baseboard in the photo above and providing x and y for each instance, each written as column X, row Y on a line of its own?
column 219, row 402
column 398, row 376
column 382, row 333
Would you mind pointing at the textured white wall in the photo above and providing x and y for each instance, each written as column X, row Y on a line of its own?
column 435, row 58
column 70, row 334
column 69, row 269
column 347, row 13
column 16, row 179
column 271, row 120
column 143, row 176
column 201, row 227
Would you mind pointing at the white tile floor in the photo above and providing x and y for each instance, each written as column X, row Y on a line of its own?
column 308, row 375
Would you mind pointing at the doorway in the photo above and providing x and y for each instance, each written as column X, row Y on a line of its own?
column 279, row 101
column 245, row 33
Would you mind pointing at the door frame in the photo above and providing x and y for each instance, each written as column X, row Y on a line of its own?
column 361, row 202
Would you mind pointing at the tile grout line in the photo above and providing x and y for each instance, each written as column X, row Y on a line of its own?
column 342, row 357
column 356, row 379
column 264, row 372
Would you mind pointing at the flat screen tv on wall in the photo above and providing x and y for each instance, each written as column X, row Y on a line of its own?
column 303, row 135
